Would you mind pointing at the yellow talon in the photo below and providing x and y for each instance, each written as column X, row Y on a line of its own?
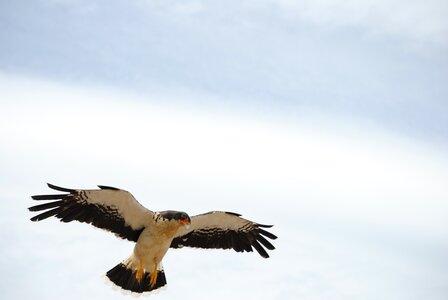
column 139, row 272
column 153, row 277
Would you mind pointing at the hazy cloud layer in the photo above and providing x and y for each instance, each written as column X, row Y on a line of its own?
column 325, row 118
column 421, row 21
column 378, row 60
column 360, row 213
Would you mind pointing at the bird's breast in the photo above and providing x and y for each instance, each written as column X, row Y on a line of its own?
column 154, row 242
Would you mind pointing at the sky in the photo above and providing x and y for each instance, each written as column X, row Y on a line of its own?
column 324, row 118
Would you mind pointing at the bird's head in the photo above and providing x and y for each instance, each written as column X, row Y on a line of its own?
column 179, row 216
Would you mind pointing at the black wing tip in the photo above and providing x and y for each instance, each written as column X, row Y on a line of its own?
column 61, row 189
column 49, row 197
column 260, row 249
column 36, row 218
column 267, row 234
column 106, row 187
column 33, row 208
column 233, row 213
column 264, row 225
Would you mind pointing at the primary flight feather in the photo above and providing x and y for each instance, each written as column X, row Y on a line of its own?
column 154, row 233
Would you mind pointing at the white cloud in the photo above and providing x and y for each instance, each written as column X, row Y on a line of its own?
column 419, row 20
column 367, row 170
column 350, row 206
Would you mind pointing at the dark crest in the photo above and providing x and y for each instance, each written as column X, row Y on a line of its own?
column 174, row 215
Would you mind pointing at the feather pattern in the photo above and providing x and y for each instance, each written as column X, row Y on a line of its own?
column 108, row 208
column 225, row 230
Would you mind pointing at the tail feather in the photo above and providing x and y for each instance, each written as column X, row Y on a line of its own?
column 126, row 278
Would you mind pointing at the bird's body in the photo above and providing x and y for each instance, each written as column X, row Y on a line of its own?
column 154, row 233
column 150, row 248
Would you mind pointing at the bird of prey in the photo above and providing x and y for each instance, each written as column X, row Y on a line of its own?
column 154, row 233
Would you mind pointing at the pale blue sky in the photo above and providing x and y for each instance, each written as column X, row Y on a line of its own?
column 325, row 118
column 385, row 61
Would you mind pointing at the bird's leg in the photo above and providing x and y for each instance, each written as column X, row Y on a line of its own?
column 153, row 277
column 139, row 272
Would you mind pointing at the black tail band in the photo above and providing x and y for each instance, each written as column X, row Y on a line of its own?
column 127, row 279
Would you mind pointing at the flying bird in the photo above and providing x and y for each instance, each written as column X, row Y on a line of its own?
column 153, row 233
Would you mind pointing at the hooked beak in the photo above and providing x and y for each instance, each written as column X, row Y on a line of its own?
column 185, row 221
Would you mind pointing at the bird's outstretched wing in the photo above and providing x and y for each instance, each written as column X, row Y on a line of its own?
column 225, row 230
column 107, row 208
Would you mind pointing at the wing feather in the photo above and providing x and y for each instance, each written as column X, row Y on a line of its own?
column 108, row 208
column 225, row 230
column 266, row 233
column 48, row 197
column 47, row 205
